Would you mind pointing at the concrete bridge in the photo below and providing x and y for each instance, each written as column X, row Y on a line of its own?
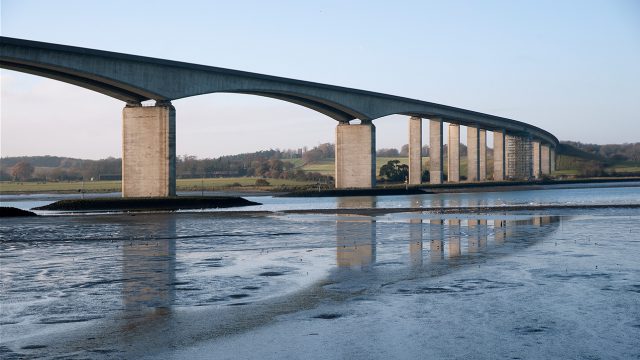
column 148, row 152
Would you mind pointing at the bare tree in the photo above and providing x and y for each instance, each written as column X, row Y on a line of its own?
column 22, row 171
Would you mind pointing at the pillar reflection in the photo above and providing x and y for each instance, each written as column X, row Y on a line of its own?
column 415, row 242
column 454, row 238
column 436, row 235
column 148, row 268
column 473, row 236
column 437, row 201
column 356, row 202
column 355, row 242
column 499, row 231
column 416, row 201
column 482, row 233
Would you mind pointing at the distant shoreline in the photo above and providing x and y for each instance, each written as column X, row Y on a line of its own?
column 380, row 190
column 461, row 187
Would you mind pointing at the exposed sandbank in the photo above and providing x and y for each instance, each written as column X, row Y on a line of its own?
column 147, row 204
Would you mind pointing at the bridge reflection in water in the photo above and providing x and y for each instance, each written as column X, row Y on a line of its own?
column 149, row 266
column 446, row 235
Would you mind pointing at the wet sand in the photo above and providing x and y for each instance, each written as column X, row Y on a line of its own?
column 147, row 204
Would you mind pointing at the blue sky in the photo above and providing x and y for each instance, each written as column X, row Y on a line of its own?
column 570, row 67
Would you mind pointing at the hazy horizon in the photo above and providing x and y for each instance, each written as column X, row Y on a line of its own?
column 569, row 68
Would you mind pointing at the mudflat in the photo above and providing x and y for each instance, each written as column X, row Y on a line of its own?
column 147, row 204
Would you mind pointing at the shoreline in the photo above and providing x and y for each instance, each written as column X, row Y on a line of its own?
column 380, row 190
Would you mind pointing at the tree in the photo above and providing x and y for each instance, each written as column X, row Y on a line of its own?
column 404, row 150
column 262, row 182
column 394, row 171
column 22, row 171
column 312, row 156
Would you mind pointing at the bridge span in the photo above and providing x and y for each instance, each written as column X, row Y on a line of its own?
column 148, row 151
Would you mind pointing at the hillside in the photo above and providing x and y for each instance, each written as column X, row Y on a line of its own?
column 589, row 160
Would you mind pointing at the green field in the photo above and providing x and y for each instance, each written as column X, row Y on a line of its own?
column 10, row 187
column 327, row 167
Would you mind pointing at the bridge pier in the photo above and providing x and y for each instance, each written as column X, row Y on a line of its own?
column 149, row 150
column 498, row 155
column 355, row 156
column 473, row 150
column 453, row 154
column 537, row 159
column 482, row 154
column 545, row 160
column 519, row 158
column 435, row 151
column 552, row 155
column 415, row 150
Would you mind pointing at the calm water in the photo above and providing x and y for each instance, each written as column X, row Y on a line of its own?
column 581, row 194
column 560, row 283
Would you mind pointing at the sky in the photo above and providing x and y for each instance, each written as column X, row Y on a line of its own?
column 569, row 67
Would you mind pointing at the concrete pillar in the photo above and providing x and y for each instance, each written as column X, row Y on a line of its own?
column 473, row 161
column 355, row 156
column 498, row 155
column 149, row 151
column 453, row 156
column 545, row 160
column 535, row 150
column 435, row 151
column 552, row 155
column 519, row 156
column 482, row 154
column 415, row 150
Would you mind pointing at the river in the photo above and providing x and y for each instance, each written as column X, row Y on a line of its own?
column 560, row 283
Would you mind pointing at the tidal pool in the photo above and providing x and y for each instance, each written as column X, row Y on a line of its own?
column 549, row 284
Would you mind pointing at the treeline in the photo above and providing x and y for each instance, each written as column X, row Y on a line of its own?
column 55, row 168
column 609, row 152
column 592, row 160
column 276, row 164
column 404, row 151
